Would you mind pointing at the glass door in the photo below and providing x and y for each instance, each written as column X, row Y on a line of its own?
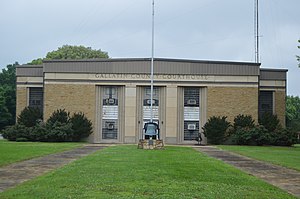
column 110, row 113
column 191, row 113
column 147, row 105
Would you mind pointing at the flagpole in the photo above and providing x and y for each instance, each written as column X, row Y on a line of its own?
column 256, row 30
column 152, row 64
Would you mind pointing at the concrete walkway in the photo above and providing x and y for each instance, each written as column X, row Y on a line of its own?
column 16, row 173
column 286, row 179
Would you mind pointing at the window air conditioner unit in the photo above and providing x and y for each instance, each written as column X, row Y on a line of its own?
column 192, row 102
column 149, row 101
column 191, row 126
column 110, row 101
column 110, row 125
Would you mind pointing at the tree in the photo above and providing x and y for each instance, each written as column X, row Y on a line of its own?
column 8, row 77
column 8, row 95
column 298, row 57
column 38, row 61
column 293, row 112
column 5, row 116
column 71, row 52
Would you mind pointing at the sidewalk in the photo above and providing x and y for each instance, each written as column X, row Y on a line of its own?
column 286, row 179
column 17, row 173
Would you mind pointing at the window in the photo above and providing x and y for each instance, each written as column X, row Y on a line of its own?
column 191, row 97
column 36, row 98
column 148, row 92
column 265, row 102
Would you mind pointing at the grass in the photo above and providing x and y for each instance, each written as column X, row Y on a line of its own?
column 285, row 156
column 127, row 172
column 17, row 151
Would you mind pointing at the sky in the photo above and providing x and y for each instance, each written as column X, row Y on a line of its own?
column 190, row 29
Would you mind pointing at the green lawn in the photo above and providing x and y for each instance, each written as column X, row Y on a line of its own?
column 18, row 151
column 284, row 156
column 126, row 172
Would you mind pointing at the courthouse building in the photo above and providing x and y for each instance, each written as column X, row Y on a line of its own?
column 115, row 94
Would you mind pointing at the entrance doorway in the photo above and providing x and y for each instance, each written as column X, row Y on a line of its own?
column 110, row 106
column 110, row 113
column 144, row 110
column 191, row 113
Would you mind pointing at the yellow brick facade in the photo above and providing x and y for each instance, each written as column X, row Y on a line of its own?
column 72, row 97
column 21, row 99
column 231, row 101
column 225, row 89
column 280, row 106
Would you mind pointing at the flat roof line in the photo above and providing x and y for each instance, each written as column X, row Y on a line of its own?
column 155, row 59
column 274, row 70
column 29, row 66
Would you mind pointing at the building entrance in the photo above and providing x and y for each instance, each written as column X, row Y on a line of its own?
column 110, row 113
column 191, row 113
column 144, row 113
column 147, row 106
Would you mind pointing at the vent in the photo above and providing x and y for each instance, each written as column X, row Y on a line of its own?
column 191, row 127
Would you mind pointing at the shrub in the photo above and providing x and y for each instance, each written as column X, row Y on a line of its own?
column 242, row 121
column 81, row 126
column 22, row 140
column 58, row 128
column 29, row 116
column 59, row 132
column 216, row 129
column 270, row 122
column 39, row 132
column 257, row 135
column 284, row 137
column 15, row 132
column 61, row 116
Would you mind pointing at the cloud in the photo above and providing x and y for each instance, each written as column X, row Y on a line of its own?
column 207, row 29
